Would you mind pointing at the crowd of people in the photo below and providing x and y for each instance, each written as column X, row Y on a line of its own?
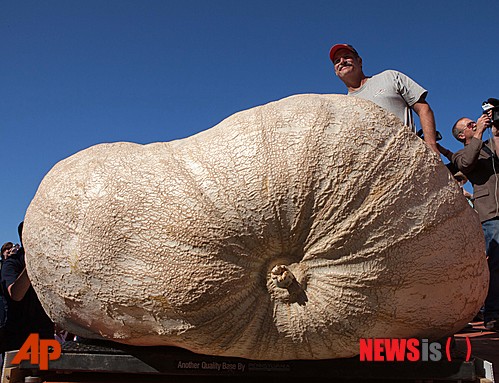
column 477, row 162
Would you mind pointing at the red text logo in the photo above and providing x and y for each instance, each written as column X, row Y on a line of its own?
column 402, row 350
column 38, row 351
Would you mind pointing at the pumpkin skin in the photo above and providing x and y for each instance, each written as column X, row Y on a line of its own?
column 287, row 231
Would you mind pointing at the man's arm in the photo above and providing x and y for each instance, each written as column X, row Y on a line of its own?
column 18, row 289
column 445, row 152
column 427, row 120
column 466, row 158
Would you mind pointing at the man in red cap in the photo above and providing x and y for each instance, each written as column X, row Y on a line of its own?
column 392, row 90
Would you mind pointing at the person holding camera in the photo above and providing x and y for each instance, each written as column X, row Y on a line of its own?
column 392, row 90
column 479, row 161
column 6, row 251
column 25, row 312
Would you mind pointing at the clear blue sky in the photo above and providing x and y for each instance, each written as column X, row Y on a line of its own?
column 77, row 73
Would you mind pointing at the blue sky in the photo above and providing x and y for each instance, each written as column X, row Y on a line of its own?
column 77, row 73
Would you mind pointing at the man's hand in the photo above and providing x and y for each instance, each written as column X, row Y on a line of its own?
column 482, row 123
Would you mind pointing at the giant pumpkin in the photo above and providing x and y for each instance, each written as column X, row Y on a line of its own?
column 287, row 231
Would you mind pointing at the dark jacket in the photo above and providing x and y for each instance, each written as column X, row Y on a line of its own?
column 26, row 316
column 481, row 169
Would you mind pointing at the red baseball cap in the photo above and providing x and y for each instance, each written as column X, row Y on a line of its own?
column 337, row 47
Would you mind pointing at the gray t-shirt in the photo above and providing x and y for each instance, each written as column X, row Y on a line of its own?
column 393, row 91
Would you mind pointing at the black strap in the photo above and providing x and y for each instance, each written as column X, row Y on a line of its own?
column 487, row 150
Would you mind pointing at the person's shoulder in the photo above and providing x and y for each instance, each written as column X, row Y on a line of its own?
column 13, row 260
column 475, row 144
column 392, row 73
column 7, row 261
column 389, row 75
column 9, row 266
column 403, row 80
column 487, row 146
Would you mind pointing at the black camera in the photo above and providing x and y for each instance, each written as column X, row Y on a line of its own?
column 493, row 105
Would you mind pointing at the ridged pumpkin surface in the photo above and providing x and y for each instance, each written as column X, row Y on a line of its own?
column 189, row 243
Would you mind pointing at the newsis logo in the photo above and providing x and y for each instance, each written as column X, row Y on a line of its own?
column 406, row 350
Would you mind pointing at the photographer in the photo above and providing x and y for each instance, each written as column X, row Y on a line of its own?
column 479, row 161
column 25, row 314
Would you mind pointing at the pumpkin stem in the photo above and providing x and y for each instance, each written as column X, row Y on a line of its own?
column 282, row 276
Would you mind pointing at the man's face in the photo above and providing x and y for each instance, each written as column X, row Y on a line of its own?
column 467, row 128
column 346, row 63
column 7, row 252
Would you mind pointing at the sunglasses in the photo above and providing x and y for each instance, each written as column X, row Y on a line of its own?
column 470, row 125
